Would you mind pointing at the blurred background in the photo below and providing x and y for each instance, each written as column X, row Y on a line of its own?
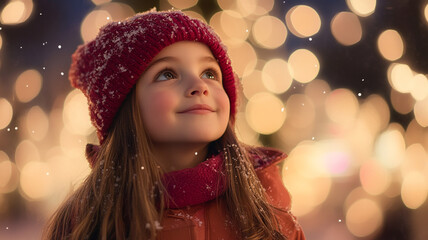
column 340, row 85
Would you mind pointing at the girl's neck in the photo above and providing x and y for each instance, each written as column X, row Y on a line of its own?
column 178, row 156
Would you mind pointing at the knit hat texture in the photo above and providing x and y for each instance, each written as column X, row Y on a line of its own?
column 107, row 68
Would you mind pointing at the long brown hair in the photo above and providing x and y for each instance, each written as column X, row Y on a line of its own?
column 123, row 196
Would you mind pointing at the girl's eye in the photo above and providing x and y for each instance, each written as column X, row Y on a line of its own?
column 165, row 75
column 209, row 74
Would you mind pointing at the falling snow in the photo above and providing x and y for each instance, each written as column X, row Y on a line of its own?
column 59, row 46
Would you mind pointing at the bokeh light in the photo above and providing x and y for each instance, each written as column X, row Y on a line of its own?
column 400, row 76
column 233, row 25
column 302, row 170
column 362, row 8
column 75, row 114
column 254, row 7
column 253, row 84
column 118, row 11
column 265, row 113
column 276, row 76
column 364, row 217
column 414, row 189
column 183, row 4
column 304, row 65
column 375, row 179
column 317, row 90
column 26, row 152
column 37, row 123
column 426, row 12
column 300, row 111
column 92, row 23
column 1, row 41
column 390, row 149
column 243, row 57
column 6, row 113
column 9, row 175
column 99, row 2
column 421, row 112
column 390, row 45
column 36, row 182
column 402, row 102
column 346, row 28
column 420, row 87
column 243, row 131
column 303, row 21
column 28, row 85
column 16, row 12
column 341, row 106
column 269, row 32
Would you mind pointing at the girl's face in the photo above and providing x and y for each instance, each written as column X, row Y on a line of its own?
column 181, row 96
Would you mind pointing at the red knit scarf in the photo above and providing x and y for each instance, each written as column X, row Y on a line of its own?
column 196, row 185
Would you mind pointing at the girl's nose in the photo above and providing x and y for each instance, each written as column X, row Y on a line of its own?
column 197, row 86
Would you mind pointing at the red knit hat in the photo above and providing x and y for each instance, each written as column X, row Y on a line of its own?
column 107, row 68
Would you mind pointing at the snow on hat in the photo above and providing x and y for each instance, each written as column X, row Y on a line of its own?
column 107, row 68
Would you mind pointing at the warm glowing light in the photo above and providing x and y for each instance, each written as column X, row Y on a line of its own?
column 364, row 217
column 300, row 111
column 374, row 112
column 37, row 123
column 276, row 76
column 264, row 113
column 414, row 190
column 306, row 156
column 415, row 133
column 426, row 12
column 375, row 179
column 402, row 102
column 36, row 182
column 341, row 106
column 8, row 174
column 233, row 25
column 75, row 113
column 99, row 2
column 6, row 113
column 28, row 85
column 226, row 4
column 17, row 11
column 420, row 87
column 303, row 21
column 72, row 144
column 346, row 28
column 183, row 4
column 26, row 152
column 269, row 32
column 92, row 24
column 415, row 159
column 243, row 57
column 118, row 11
column 390, row 148
column 390, row 45
column 196, row 15
column 1, row 42
column 421, row 112
column 400, row 76
column 362, row 8
column 253, row 84
column 304, row 65
column 317, row 90
column 244, row 131
column 254, row 7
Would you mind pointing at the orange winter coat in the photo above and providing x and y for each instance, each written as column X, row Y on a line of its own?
column 204, row 218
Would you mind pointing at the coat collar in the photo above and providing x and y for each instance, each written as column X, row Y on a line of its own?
column 207, row 181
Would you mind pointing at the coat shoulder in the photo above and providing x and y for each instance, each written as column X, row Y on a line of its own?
column 263, row 157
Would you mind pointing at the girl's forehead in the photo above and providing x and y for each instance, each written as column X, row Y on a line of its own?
column 184, row 49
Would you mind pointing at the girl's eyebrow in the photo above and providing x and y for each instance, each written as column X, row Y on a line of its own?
column 174, row 59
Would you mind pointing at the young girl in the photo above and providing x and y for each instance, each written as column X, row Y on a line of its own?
column 162, row 96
